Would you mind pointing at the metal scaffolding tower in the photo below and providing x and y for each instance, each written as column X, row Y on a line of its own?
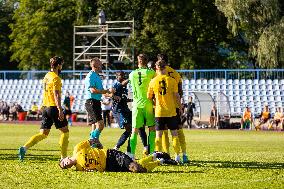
column 109, row 41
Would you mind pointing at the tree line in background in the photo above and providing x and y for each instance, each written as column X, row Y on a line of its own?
column 196, row 34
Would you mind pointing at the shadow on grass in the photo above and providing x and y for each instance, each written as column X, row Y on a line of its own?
column 31, row 150
column 231, row 164
column 39, row 158
column 176, row 171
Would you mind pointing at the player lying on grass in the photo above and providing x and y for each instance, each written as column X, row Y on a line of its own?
column 87, row 158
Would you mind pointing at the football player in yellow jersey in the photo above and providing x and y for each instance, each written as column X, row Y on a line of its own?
column 165, row 90
column 52, row 110
column 264, row 117
column 247, row 119
column 165, row 138
column 87, row 158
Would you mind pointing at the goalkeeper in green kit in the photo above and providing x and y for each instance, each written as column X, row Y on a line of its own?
column 142, row 107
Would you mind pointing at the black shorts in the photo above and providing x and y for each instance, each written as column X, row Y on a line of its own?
column 50, row 116
column 33, row 112
column 163, row 123
column 67, row 112
column 117, row 161
column 178, row 116
column 94, row 109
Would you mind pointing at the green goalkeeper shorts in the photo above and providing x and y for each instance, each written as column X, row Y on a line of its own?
column 143, row 116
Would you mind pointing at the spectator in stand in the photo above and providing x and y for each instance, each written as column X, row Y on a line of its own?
column 13, row 111
column 265, row 116
column 247, row 119
column 15, row 108
column 189, row 112
column 34, row 111
column 67, row 108
column 19, row 108
column 213, row 117
column 5, row 111
column 277, row 119
column 106, row 107
column 1, row 108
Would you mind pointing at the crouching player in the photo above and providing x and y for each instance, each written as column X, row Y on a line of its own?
column 86, row 158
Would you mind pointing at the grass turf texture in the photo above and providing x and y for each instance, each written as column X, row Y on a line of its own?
column 219, row 159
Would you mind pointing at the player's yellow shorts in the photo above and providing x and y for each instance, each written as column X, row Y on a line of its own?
column 143, row 116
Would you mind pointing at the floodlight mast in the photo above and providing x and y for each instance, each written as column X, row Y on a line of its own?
column 106, row 41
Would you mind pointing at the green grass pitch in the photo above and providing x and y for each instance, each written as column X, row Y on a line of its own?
column 219, row 159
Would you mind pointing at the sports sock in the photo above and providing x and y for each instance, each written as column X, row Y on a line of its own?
column 166, row 142
column 128, row 149
column 182, row 142
column 95, row 134
column 123, row 138
column 176, row 145
column 70, row 121
column 148, row 163
column 133, row 143
column 152, row 136
column 143, row 136
column 63, row 142
column 34, row 140
column 158, row 144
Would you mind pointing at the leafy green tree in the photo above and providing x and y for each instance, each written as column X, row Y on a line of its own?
column 6, row 14
column 42, row 29
column 86, row 12
column 262, row 24
column 188, row 31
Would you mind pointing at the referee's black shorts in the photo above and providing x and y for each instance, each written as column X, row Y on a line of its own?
column 117, row 161
column 50, row 115
column 94, row 109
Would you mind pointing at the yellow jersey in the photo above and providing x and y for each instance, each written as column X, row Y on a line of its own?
column 89, row 158
column 51, row 82
column 265, row 115
column 164, row 89
column 247, row 115
column 174, row 74
column 34, row 108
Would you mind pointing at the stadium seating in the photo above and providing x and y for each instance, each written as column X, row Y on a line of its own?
column 240, row 93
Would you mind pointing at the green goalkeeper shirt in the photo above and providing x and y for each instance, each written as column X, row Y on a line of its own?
column 139, row 81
